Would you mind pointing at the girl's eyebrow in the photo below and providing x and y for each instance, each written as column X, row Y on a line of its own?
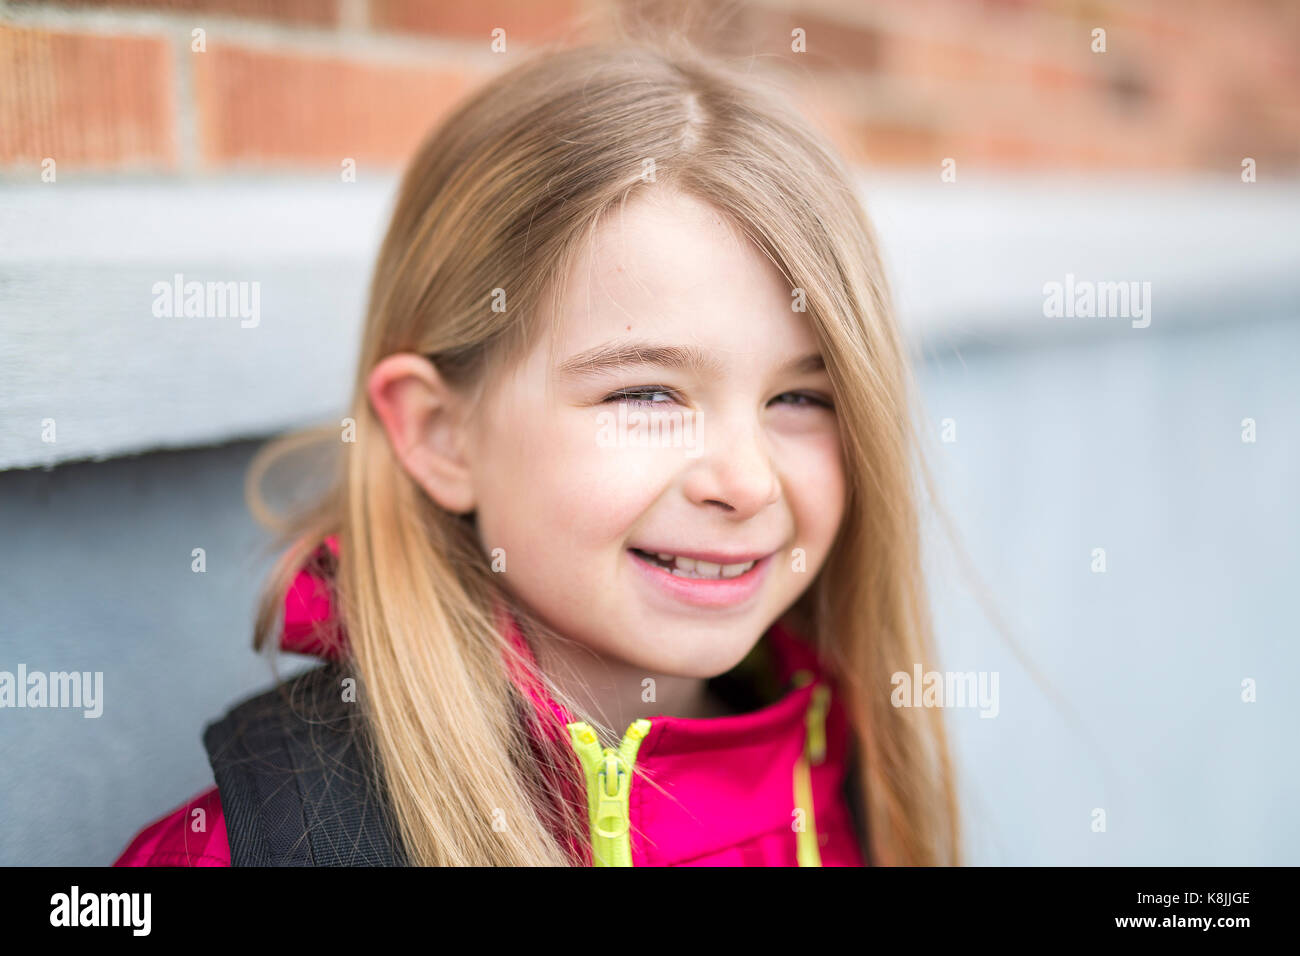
column 613, row 356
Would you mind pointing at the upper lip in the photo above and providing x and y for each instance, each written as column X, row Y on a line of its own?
column 711, row 557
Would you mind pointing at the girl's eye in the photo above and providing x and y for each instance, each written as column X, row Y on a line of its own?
column 632, row 395
column 803, row 399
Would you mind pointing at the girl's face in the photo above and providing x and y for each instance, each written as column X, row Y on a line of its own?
column 575, row 496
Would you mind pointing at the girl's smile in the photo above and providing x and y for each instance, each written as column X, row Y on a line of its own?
column 700, row 582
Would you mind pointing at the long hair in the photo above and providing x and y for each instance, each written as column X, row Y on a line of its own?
column 503, row 193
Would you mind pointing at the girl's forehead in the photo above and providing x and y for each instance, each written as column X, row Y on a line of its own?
column 673, row 268
column 656, row 229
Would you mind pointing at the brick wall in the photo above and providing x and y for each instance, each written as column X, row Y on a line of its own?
column 118, row 86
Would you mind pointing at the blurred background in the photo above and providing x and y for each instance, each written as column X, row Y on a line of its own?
column 1125, row 492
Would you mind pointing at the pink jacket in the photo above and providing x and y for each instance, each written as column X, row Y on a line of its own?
column 727, row 791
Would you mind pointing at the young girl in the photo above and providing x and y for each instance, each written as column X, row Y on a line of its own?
column 623, row 546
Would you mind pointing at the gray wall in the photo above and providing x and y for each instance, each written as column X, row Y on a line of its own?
column 95, row 575
column 1125, row 439
column 1129, row 442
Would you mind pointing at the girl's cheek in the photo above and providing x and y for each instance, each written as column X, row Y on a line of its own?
column 816, row 484
column 813, row 452
column 589, row 492
column 628, row 483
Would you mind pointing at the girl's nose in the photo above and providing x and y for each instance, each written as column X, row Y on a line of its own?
column 734, row 471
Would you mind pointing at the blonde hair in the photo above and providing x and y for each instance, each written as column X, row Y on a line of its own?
column 502, row 194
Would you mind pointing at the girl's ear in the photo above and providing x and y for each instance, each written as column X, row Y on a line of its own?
column 425, row 423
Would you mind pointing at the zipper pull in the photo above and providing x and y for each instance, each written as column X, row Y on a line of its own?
column 612, row 783
column 614, row 780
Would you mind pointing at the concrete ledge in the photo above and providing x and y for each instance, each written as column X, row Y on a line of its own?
column 82, row 265
column 81, row 345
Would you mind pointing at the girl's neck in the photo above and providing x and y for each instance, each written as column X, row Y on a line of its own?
column 613, row 693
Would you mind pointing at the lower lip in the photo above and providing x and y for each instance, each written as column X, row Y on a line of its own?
column 705, row 592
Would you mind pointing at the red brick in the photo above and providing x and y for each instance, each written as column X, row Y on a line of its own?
column 883, row 143
column 257, row 107
column 83, row 100
column 528, row 20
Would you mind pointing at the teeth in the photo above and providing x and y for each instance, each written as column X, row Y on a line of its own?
column 691, row 568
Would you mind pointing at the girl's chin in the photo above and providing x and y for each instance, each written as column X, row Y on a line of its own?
column 691, row 659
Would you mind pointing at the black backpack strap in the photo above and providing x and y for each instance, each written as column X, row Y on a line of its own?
column 294, row 773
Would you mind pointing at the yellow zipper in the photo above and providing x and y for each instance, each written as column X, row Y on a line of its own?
column 807, row 849
column 609, row 784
